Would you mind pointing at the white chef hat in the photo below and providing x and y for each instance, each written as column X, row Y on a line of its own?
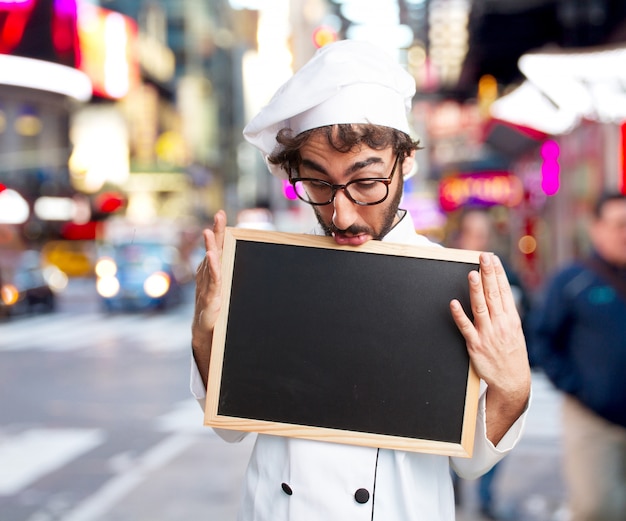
column 344, row 82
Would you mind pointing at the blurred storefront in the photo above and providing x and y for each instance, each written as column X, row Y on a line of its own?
column 140, row 118
column 460, row 168
column 132, row 122
column 185, row 120
column 574, row 99
column 40, row 89
column 90, row 125
column 536, row 158
column 561, row 180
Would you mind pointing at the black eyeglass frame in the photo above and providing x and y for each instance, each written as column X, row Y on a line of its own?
column 385, row 180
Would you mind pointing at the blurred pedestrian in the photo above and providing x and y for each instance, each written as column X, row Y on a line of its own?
column 338, row 132
column 476, row 231
column 578, row 337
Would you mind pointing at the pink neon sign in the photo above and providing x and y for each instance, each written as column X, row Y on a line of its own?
column 550, row 168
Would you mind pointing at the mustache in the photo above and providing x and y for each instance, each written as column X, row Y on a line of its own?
column 330, row 229
column 351, row 230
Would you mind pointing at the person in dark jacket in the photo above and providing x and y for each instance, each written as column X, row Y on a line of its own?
column 578, row 337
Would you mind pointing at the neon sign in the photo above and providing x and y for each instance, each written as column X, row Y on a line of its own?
column 13, row 18
column 481, row 189
column 34, row 29
column 623, row 157
column 107, row 41
column 550, row 168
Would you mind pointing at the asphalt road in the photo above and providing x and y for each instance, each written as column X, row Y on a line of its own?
column 97, row 424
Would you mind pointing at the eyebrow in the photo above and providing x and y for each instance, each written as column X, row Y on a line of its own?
column 359, row 165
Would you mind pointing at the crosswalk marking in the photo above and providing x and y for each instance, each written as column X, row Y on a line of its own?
column 97, row 505
column 61, row 332
column 29, row 455
column 26, row 457
column 186, row 416
column 37, row 453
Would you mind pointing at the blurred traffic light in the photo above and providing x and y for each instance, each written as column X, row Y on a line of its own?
column 487, row 93
column 323, row 35
column 107, row 203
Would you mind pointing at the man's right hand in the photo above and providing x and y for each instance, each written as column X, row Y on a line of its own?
column 208, row 294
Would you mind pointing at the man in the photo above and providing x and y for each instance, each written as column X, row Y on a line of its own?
column 578, row 337
column 338, row 131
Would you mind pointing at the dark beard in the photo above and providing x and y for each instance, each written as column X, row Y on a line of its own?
column 388, row 218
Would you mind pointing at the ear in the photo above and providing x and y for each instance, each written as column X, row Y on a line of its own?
column 595, row 232
column 408, row 165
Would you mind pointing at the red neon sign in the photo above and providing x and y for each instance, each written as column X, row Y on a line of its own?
column 623, row 157
column 480, row 189
column 108, row 44
column 13, row 18
column 35, row 29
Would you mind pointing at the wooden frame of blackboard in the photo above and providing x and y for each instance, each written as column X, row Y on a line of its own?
column 283, row 359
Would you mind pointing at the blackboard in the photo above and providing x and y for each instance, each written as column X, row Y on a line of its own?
column 345, row 344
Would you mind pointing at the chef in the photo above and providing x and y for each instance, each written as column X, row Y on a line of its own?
column 338, row 131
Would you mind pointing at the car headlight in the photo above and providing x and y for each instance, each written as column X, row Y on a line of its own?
column 9, row 294
column 157, row 284
column 108, row 287
column 56, row 279
column 105, row 267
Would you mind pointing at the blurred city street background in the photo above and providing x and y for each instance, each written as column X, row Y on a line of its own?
column 121, row 137
column 98, row 424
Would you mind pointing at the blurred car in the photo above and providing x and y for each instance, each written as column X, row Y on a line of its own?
column 74, row 258
column 27, row 286
column 138, row 275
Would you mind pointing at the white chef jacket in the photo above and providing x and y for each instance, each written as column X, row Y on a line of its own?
column 290, row 479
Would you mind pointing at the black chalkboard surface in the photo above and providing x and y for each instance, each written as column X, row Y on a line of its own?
column 345, row 344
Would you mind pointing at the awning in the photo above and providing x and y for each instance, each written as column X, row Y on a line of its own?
column 563, row 88
column 45, row 76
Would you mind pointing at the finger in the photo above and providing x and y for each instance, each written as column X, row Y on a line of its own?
column 508, row 300
column 208, row 289
column 215, row 270
column 203, row 267
column 478, row 301
column 209, row 268
column 213, row 242
column 491, row 286
column 463, row 322
column 219, row 229
column 206, row 238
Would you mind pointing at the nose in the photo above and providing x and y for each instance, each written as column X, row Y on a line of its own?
column 344, row 211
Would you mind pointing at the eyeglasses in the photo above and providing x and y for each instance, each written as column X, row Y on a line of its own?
column 364, row 192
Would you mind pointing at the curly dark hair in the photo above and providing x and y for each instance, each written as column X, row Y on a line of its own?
column 603, row 199
column 343, row 138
